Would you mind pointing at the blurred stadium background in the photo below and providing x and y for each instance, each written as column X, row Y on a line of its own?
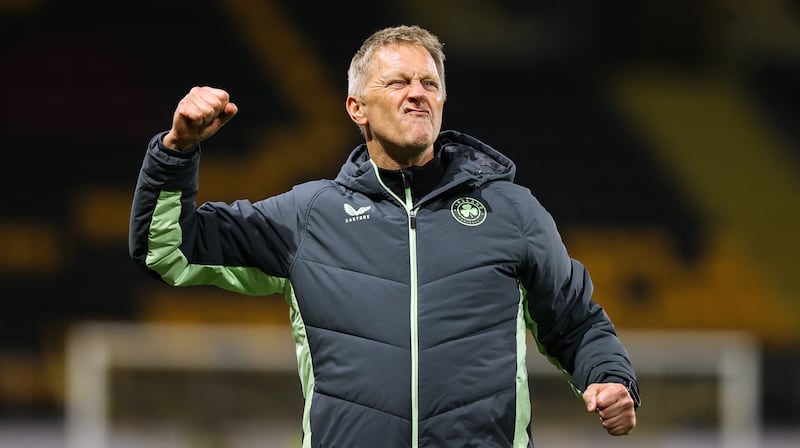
column 661, row 135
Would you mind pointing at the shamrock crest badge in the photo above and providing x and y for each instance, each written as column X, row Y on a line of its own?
column 468, row 211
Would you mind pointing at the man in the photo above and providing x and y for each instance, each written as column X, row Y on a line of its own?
column 411, row 278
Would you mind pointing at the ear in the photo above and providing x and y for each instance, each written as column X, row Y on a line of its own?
column 355, row 108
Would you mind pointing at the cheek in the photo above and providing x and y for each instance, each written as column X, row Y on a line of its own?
column 437, row 116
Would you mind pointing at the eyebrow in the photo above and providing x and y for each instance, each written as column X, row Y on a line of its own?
column 394, row 73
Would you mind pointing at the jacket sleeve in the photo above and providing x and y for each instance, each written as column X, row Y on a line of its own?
column 573, row 331
column 243, row 247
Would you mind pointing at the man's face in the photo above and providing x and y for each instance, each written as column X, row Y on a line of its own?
column 403, row 98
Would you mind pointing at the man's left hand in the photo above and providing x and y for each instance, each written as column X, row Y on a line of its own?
column 613, row 404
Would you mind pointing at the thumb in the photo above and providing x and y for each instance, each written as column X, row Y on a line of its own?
column 590, row 397
column 228, row 112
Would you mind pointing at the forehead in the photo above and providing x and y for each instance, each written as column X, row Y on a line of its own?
column 403, row 57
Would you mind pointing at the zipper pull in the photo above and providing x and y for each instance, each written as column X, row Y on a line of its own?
column 412, row 219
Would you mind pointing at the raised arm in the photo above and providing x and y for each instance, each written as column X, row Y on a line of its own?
column 241, row 246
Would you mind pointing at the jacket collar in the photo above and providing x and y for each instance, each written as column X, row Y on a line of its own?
column 463, row 159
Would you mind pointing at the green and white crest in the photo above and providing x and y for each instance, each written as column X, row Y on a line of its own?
column 468, row 211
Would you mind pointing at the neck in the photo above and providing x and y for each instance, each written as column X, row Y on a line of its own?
column 399, row 158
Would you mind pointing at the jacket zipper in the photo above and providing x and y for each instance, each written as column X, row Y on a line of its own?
column 413, row 314
column 408, row 205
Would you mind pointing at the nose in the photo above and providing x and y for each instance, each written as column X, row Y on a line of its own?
column 416, row 91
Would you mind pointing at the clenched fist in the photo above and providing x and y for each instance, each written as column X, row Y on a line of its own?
column 614, row 405
column 199, row 115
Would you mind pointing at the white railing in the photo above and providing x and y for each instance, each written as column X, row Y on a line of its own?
column 95, row 348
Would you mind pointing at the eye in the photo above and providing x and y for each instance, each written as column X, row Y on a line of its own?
column 397, row 83
column 430, row 85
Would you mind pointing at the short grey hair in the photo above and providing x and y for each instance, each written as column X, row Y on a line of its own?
column 361, row 64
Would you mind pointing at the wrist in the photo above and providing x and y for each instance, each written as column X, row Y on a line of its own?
column 172, row 142
column 158, row 141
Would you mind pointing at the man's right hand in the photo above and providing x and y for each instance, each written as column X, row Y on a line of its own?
column 199, row 115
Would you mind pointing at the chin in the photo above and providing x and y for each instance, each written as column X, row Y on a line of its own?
column 423, row 139
column 419, row 146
